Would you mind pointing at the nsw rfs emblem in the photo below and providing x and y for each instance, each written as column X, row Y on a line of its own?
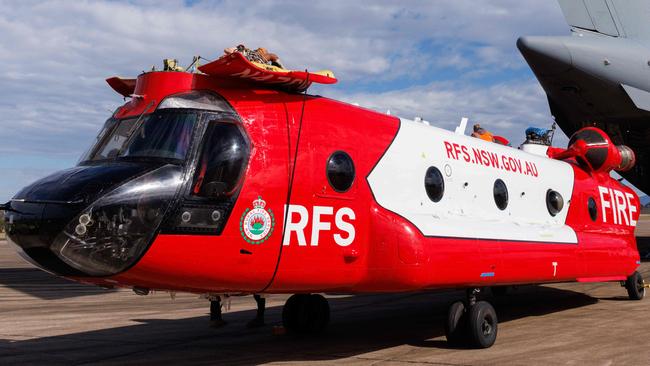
column 257, row 225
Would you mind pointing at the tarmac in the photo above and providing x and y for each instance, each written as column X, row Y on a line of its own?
column 45, row 320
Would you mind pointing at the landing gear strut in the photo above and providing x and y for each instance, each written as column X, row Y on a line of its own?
column 305, row 314
column 473, row 323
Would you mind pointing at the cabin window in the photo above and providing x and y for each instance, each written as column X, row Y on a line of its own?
column 592, row 208
column 500, row 192
column 340, row 171
column 222, row 162
column 554, row 202
column 434, row 184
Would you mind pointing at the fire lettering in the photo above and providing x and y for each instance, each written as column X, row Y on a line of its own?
column 631, row 206
column 621, row 206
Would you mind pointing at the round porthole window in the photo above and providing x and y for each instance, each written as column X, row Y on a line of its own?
column 554, row 202
column 340, row 171
column 593, row 209
column 434, row 184
column 500, row 194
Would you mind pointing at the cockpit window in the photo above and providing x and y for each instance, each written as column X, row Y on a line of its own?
column 222, row 161
column 112, row 144
column 164, row 134
column 108, row 126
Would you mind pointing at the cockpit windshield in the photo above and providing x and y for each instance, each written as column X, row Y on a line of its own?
column 162, row 135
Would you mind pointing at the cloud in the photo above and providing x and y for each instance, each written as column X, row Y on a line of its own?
column 505, row 109
column 55, row 55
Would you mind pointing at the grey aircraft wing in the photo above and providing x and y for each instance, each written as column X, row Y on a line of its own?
column 600, row 74
column 615, row 18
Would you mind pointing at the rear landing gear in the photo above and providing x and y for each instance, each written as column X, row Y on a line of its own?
column 635, row 286
column 456, row 325
column 305, row 314
column 482, row 325
column 473, row 323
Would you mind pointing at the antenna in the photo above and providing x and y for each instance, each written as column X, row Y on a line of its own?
column 460, row 130
column 552, row 134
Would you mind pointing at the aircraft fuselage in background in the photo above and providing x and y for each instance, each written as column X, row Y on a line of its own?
column 600, row 75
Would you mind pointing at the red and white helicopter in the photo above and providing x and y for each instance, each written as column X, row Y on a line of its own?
column 231, row 180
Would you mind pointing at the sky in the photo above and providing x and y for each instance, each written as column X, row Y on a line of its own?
column 440, row 60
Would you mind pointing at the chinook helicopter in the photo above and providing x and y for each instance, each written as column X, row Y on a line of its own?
column 232, row 179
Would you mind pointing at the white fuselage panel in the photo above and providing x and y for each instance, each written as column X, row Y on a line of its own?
column 470, row 167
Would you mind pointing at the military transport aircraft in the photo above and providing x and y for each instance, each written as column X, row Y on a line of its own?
column 600, row 75
column 231, row 179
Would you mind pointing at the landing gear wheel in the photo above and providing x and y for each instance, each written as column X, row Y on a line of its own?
column 635, row 286
column 456, row 325
column 482, row 325
column 306, row 314
column 320, row 309
column 293, row 313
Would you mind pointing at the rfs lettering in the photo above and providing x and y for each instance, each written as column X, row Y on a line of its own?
column 321, row 221
column 620, row 205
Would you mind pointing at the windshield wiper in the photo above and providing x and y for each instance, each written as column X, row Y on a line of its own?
column 152, row 159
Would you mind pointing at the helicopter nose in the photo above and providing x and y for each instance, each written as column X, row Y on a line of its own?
column 32, row 228
column 40, row 212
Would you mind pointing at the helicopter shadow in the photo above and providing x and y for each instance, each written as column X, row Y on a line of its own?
column 360, row 324
column 16, row 274
column 36, row 283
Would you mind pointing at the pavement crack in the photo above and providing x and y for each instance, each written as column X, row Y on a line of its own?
column 410, row 362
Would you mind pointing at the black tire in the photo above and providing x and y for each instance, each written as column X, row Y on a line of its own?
column 292, row 313
column 305, row 314
column 482, row 325
column 320, row 313
column 456, row 324
column 635, row 286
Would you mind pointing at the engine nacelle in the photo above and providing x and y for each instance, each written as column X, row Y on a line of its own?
column 595, row 152
column 628, row 158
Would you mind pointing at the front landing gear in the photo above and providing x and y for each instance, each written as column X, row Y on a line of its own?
column 635, row 286
column 474, row 324
column 305, row 314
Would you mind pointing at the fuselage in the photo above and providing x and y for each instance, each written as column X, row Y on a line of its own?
column 314, row 195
